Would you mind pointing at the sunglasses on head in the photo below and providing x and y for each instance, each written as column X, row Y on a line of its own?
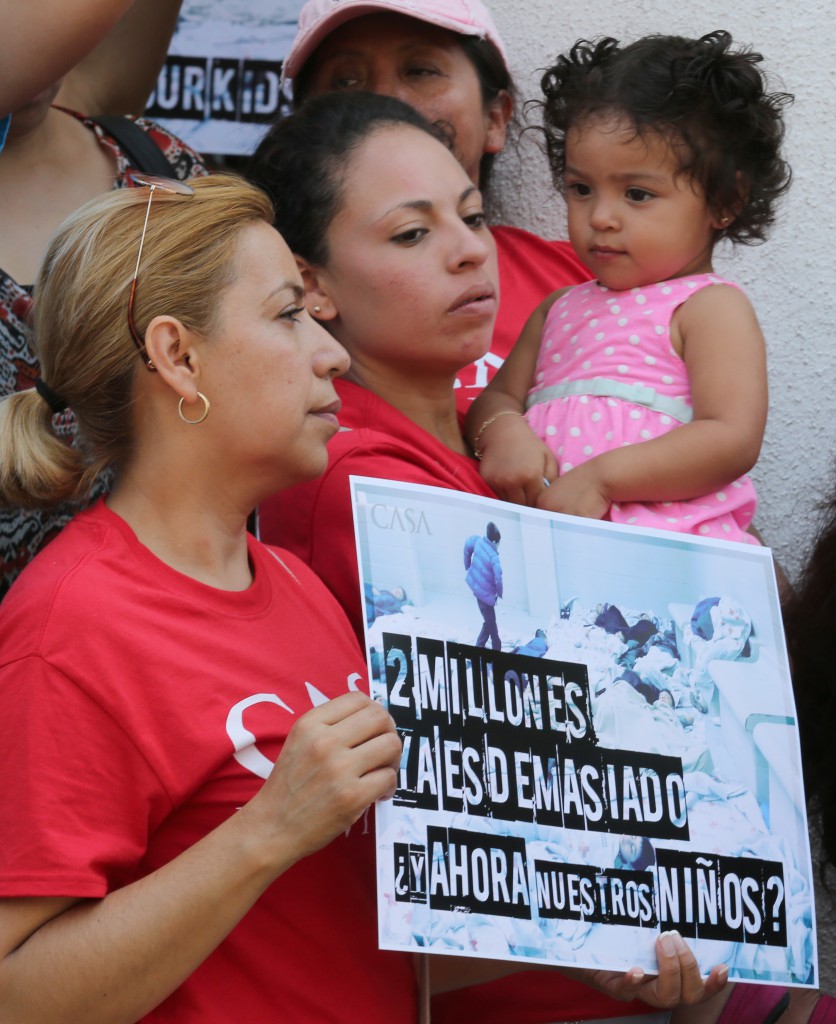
column 152, row 183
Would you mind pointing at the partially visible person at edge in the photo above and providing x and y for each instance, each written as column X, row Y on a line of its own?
column 54, row 160
column 390, row 236
column 110, row 51
column 447, row 61
column 808, row 621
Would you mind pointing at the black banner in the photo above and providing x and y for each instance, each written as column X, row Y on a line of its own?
column 732, row 899
column 511, row 737
column 220, row 89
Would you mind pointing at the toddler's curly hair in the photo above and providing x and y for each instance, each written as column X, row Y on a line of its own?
column 708, row 99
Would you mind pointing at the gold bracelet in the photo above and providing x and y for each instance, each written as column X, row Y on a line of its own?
column 486, row 424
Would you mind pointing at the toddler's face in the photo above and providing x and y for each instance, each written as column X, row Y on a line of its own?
column 633, row 218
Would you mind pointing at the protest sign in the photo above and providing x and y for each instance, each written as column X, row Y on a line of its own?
column 220, row 86
column 599, row 735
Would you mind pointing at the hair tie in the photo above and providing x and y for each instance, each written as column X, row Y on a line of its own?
column 55, row 402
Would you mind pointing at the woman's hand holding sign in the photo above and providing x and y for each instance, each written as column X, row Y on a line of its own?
column 678, row 981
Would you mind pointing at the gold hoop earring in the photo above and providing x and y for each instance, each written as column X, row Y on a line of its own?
column 202, row 417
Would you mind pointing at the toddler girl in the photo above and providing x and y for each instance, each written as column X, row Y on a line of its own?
column 645, row 388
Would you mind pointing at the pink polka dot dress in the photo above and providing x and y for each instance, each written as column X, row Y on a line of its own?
column 607, row 376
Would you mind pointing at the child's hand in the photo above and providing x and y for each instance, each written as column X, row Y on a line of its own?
column 580, row 492
column 515, row 462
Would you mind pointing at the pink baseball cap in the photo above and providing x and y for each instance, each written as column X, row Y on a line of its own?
column 318, row 18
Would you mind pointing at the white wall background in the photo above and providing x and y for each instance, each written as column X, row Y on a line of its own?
column 791, row 278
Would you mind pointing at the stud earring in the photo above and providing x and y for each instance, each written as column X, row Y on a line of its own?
column 317, row 309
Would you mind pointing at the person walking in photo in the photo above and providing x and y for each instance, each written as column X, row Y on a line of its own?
column 484, row 577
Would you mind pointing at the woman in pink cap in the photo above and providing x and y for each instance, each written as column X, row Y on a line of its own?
column 446, row 59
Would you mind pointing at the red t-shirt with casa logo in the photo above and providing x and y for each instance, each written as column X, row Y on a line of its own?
column 138, row 709
column 530, row 268
column 314, row 519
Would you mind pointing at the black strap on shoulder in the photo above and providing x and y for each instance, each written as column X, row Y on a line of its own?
column 778, row 1009
column 143, row 153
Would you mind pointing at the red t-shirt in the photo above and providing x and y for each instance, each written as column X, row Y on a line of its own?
column 532, row 997
column 139, row 709
column 314, row 521
column 530, row 268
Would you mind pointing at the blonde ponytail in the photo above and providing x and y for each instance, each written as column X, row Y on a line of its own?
column 37, row 468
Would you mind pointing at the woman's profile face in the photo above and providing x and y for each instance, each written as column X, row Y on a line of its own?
column 420, row 64
column 268, row 367
column 411, row 272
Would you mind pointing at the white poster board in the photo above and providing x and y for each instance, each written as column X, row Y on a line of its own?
column 611, row 771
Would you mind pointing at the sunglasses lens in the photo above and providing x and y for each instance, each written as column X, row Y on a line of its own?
column 163, row 184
